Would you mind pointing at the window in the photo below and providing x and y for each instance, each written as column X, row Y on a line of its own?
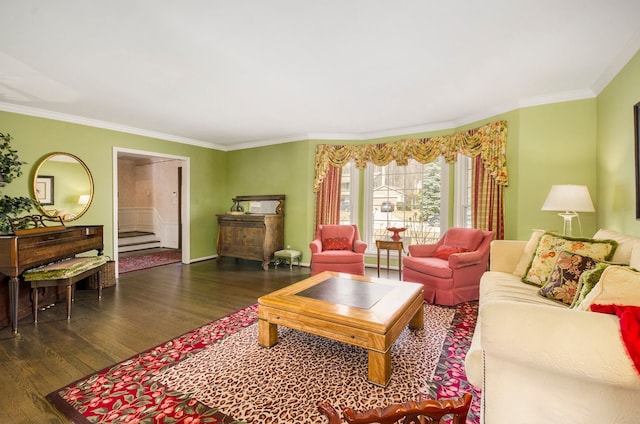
column 414, row 197
column 349, row 194
column 410, row 197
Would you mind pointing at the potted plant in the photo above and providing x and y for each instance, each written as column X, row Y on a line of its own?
column 10, row 168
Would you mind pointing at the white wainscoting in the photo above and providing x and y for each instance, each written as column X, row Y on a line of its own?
column 148, row 220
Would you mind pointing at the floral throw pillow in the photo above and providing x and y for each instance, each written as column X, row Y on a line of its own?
column 565, row 276
column 336, row 243
column 550, row 246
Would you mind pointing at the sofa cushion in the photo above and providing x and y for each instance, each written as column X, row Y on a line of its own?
column 527, row 254
column 618, row 285
column 338, row 257
column 550, row 246
column 336, row 231
column 429, row 266
column 443, row 252
column 634, row 262
column 502, row 286
column 626, row 243
column 587, row 282
column 563, row 282
column 336, row 243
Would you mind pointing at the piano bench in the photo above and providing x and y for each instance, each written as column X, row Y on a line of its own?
column 64, row 273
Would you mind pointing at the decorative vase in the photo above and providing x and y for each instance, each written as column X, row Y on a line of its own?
column 236, row 209
column 396, row 232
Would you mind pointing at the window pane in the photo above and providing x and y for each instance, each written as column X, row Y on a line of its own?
column 349, row 194
column 405, row 197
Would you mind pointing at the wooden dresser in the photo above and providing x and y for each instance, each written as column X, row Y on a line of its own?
column 255, row 234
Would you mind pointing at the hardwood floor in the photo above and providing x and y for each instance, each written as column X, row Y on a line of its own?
column 143, row 310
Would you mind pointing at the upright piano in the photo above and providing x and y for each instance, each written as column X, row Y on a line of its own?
column 21, row 252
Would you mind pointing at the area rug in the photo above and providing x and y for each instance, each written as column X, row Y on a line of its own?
column 152, row 260
column 217, row 373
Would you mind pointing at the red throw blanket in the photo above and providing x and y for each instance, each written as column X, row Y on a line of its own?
column 629, row 327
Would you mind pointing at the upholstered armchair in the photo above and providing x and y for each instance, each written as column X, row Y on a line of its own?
column 450, row 269
column 337, row 248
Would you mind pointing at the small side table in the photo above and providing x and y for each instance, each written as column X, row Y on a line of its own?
column 286, row 256
column 390, row 244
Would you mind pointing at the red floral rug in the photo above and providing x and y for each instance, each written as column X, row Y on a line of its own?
column 152, row 260
column 217, row 374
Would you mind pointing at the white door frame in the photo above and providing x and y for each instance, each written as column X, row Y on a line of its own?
column 186, row 192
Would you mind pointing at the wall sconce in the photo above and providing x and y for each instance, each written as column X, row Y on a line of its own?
column 83, row 200
column 569, row 200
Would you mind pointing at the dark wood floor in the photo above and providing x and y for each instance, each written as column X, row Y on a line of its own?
column 143, row 310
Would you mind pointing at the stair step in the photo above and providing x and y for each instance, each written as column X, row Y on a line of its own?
column 139, row 246
column 129, row 234
column 138, row 239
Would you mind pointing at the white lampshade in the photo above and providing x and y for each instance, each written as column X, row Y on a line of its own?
column 574, row 198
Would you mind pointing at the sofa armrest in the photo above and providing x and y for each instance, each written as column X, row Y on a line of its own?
column 584, row 346
column 315, row 246
column 359, row 246
column 505, row 255
column 422, row 250
column 460, row 260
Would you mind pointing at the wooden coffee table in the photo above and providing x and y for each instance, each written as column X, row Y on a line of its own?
column 361, row 311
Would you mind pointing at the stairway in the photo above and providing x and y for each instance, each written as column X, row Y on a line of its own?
column 130, row 241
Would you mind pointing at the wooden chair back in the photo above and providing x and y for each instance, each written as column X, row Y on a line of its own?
column 421, row 411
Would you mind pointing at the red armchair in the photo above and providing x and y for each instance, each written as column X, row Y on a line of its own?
column 337, row 248
column 450, row 270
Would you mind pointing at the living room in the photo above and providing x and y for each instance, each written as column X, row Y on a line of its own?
column 582, row 137
column 588, row 141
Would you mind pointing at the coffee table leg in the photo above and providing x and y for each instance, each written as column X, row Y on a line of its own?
column 417, row 322
column 380, row 367
column 267, row 333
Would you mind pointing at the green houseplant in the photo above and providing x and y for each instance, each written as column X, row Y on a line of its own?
column 10, row 168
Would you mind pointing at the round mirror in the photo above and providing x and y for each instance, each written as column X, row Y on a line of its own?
column 63, row 186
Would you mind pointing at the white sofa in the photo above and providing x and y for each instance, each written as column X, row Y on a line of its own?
column 538, row 361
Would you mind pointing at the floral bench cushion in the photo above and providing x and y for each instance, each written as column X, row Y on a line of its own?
column 64, row 269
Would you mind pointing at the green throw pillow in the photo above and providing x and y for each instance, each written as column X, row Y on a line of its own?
column 564, row 279
column 588, row 280
column 550, row 246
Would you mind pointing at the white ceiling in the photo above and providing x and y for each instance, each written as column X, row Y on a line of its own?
column 241, row 73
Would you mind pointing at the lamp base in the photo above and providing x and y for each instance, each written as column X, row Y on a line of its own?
column 568, row 217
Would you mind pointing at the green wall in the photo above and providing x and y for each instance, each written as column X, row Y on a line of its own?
column 587, row 142
column 549, row 144
column 615, row 151
column 34, row 138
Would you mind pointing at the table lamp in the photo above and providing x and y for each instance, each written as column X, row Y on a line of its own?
column 569, row 200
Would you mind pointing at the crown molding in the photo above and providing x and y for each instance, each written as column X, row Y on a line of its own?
column 392, row 132
column 74, row 119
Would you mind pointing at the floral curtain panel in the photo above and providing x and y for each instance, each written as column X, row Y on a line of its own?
column 487, row 144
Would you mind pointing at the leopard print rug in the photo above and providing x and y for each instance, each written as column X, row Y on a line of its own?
column 282, row 384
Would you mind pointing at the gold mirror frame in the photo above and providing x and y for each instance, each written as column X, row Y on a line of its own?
column 44, row 190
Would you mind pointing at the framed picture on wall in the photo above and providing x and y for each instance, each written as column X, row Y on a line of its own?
column 44, row 189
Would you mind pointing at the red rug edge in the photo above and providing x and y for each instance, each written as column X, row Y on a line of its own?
column 77, row 418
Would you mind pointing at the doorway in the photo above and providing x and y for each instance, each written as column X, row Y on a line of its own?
column 151, row 202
